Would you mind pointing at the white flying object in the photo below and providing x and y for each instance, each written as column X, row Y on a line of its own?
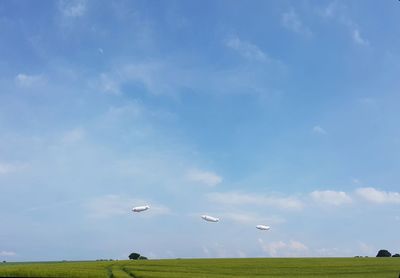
column 141, row 208
column 263, row 227
column 210, row 218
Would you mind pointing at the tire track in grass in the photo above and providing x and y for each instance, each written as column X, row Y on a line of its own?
column 127, row 272
column 110, row 272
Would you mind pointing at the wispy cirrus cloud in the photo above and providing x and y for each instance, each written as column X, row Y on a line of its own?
column 319, row 130
column 8, row 167
column 157, row 78
column 357, row 38
column 27, row 81
column 246, row 49
column 73, row 135
column 330, row 10
column 291, row 21
column 162, row 77
column 72, row 8
column 108, row 84
column 208, row 178
column 336, row 10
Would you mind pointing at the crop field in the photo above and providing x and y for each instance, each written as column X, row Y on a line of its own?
column 218, row 268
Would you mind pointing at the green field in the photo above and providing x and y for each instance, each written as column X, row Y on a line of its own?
column 218, row 268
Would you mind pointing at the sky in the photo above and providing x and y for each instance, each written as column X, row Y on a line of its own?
column 281, row 113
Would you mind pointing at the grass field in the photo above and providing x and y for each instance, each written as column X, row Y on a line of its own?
column 218, row 268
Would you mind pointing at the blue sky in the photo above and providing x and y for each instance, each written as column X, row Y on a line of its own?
column 283, row 113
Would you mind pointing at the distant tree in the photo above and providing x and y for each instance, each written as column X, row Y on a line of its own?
column 142, row 258
column 384, row 253
column 396, row 255
column 134, row 256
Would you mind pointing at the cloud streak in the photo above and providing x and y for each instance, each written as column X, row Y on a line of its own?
column 203, row 177
column 375, row 196
column 72, row 8
column 319, row 130
column 9, row 168
column 336, row 11
column 246, row 49
column 7, row 254
column 171, row 78
column 357, row 38
column 291, row 21
column 238, row 198
column 27, row 81
column 330, row 197
column 250, row 218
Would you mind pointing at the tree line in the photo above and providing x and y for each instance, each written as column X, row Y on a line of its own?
column 386, row 253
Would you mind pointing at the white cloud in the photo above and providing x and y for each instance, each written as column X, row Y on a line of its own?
column 356, row 181
column 108, row 84
column 337, row 11
column 367, row 101
column 131, row 111
column 114, row 205
column 206, row 251
column 246, row 49
column 319, row 130
column 291, row 21
column 237, row 198
column 366, row 249
column 330, row 197
column 203, row 177
column 8, row 168
column 27, row 81
column 7, row 254
column 373, row 195
column 74, row 135
column 72, row 8
column 241, row 254
column 156, row 77
column 357, row 37
column 291, row 248
column 250, row 218
column 330, row 10
column 171, row 77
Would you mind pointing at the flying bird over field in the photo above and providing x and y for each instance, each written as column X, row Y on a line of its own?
column 210, row 218
column 263, row 227
column 141, row 208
